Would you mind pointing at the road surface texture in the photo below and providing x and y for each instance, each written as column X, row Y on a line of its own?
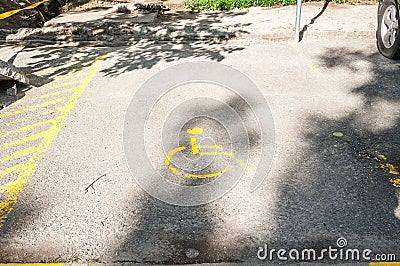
column 68, row 194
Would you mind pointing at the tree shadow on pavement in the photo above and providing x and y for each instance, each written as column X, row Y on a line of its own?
column 337, row 187
column 170, row 234
column 179, row 36
column 204, row 39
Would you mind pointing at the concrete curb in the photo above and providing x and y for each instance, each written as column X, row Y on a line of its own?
column 259, row 24
column 268, row 37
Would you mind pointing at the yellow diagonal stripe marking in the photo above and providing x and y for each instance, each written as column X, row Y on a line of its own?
column 22, row 119
column 11, row 170
column 30, row 166
column 52, row 69
column 80, row 74
column 13, row 12
column 42, row 105
column 23, row 140
column 26, row 128
column 20, row 153
column 48, row 95
column 59, row 86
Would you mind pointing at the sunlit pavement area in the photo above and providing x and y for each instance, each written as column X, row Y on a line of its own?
column 67, row 132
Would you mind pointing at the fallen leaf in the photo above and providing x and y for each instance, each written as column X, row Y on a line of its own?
column 337, row 134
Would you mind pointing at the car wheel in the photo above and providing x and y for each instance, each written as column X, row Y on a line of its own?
column 388, row 37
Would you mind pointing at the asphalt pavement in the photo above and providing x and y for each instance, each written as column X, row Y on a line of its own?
column 70, row 193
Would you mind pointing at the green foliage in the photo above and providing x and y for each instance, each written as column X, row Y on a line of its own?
column 199, row 5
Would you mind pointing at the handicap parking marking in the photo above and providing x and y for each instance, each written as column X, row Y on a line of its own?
column 29, row 129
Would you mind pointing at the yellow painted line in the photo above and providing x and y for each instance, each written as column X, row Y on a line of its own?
column 48, row 95
column 42, row 105
column 395, row 182
column 195, row 150
column 171, row 153
column 391, row 169
column 50, row 69
column 13, row 12
column 203, row 176
column 195, row 131
column 384, row 263
column 20, row 102
column 23, row 140
column 193, row 143
column 62, row 85
column 22, row 119
column 215, row 147
column 382, row 157
column 231, row 155
column 20, row 153
column 10, row 170
column 7, row 187
column 30, row 166
column 27, row 128
column 65, row 66
column 67, row 77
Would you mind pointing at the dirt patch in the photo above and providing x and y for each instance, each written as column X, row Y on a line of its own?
column 83, row 5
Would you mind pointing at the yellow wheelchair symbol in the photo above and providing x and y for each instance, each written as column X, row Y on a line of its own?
column 205, row 150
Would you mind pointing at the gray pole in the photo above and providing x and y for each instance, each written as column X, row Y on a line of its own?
column 298, row 18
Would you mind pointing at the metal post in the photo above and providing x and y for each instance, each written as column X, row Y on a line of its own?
column 298, row 18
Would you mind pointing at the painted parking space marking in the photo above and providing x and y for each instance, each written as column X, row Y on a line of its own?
column 48, row 95
column 20, row 153
column 22, row 140
column 11, row 170
column 199, row 149
column 28, row 130
column 30, row 108
column 62, row 85
column 30, row 117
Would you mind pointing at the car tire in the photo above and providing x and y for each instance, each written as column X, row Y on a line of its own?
column 387, row 34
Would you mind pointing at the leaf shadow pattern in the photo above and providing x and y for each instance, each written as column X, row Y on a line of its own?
column 337, row 187
column 136, row 46
column 170, row 234
column 47, row 62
